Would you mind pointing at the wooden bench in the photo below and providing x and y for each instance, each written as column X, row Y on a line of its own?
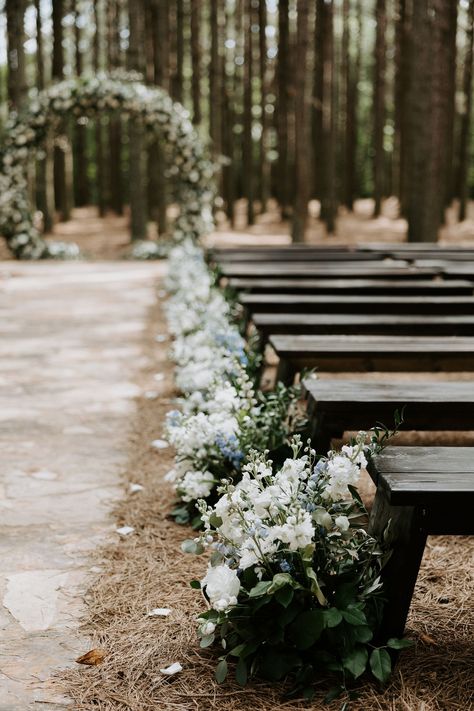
column 298, row 270
column 354, row 324
column 357, row 286
column 365, row 353
column 294, row 255
column 420, row 491
column 332, row 304
column 335, row 406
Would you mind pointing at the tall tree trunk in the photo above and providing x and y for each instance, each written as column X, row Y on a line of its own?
column 196, row 60
column 17, row 88
column 62, row 190
column 464, row 142
column 302, row 156
column 159, row 28
column 400, row 87
column 450, row 48
column 214, row 79
column 44, row 167
column 81, row 186
column 138, row 222
column 115, row 126
column 352, row 73
column 428, row 126
column 178, row 76
column 328, row 168
column 379, row 104
column 318, row 99
column 283, row 70
column 264, row 165
column 248, row 163
column 99, row 139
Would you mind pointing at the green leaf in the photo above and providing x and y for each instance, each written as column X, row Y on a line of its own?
column 221, row 671
column 354, row 616
column 285, row 595
column 206, row 641
column 395, row 643
column 195, row 584
column 307, row 628
column 315, row 589
column 215, row 520
column 362, row 633
column 191, row 546
column 241, row 672
column 381, row 664
column 277, row 663
column 280, row 580
column 332, row 617
column 261, row 588
column 356, row 661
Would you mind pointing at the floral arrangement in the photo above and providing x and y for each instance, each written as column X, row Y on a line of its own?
column 87, row 97
column 222, row 415
column 293, row 584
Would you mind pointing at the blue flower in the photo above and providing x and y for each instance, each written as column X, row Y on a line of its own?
column 229, row 448
column 285, row 567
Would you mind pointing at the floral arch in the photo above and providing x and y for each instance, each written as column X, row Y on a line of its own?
column 25, row 140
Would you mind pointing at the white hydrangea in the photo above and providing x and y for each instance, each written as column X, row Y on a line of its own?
column 196, row 485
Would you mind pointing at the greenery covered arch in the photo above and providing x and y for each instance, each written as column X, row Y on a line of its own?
column 25, row 140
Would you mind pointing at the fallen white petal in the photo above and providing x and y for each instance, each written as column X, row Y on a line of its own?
column 159, row 444
column 172, row 669
column 159, row 612
column 135, row 487
column 150, row 394
column 159, row 377
column 125, row 530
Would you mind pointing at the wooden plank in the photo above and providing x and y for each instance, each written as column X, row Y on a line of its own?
column 297, row 270
column 335, row 406
column 352, row 286
column 274, row 255
column 365, row 353
column 313, row 303
column 354, row 324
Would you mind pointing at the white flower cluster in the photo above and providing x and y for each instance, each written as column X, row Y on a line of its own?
column 269, row 516
column 88, row 97
column 210, row 357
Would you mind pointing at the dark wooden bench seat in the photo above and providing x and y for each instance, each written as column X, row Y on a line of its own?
column 354, row 324
column 420, row 491
column 332, row 304
column 365, row 353
column 357, row 286
column 298, row 270
column 293, row 255
column 336, row 406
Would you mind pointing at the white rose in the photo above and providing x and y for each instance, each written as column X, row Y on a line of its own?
column 207, row 628
column 342, row 522
column 222, row 586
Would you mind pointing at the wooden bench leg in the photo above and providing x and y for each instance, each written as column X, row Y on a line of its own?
column 285, row 372
column 406, row 537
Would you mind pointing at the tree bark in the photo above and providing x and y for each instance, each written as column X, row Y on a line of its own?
column 379, row 104
column 115, row 131
column 62, row 190
column 352, row 73
column 318, row 99
column 214, row 79
column 81, row 185
column 196, row 60
column 283, row 71
column 264, row 165
column 328, row 167
column 248, row 163
column 136, row 169
column 99, row 139
column 302, row 155
column 17, row 88
column 44, row 167
column 464, row 147
column 428, row 136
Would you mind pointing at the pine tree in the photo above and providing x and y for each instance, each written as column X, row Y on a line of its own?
column 283, row 78
column 464, row 152
column 379, row 104
column 17, row 88
column 62, row 190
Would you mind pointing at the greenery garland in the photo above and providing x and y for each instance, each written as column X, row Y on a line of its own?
column 88, row 97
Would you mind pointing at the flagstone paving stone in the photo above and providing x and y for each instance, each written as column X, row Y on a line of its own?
column 70, row 346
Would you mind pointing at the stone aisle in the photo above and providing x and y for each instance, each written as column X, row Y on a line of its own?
column 70, row 345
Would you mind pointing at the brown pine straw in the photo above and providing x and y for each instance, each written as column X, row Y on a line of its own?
column 147, row 570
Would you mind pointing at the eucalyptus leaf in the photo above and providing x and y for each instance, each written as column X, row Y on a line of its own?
column 395, row 643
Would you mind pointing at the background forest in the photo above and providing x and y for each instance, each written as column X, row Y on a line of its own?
column 304, row 102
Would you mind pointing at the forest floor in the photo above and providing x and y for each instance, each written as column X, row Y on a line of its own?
column 87, row 387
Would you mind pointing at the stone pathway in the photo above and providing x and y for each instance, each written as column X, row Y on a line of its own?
column 70, row 345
